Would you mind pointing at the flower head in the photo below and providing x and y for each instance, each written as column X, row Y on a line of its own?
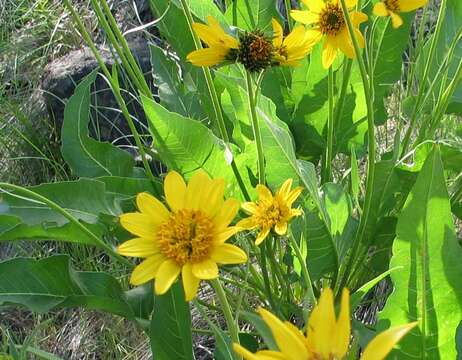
column 393, row 7
column 289, row 50
column 221, row 46
column 328, row 22
column 271, row 211
column 255, row 50
column 188, row 237
column 328, row 337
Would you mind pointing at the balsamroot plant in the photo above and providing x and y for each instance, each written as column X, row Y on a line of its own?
column 298, row 162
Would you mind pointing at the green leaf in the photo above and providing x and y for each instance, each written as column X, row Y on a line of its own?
column 173, row 92
column 322, row 253
column 171, row 326
column 278, row 146
column 85, row 199
column 201, row 9
column 141, row 300
column 84, row 155
column 262, row 328
column 42, row 285
column 389, row 46
column 252, row 14
column 427, row 289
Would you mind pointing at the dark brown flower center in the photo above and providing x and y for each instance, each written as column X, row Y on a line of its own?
column 331, row 20
column 392, row 5
column 255, row 51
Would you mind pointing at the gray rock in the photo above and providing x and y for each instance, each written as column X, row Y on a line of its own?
column 60, row 79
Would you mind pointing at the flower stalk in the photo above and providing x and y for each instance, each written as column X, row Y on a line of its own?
column 256, row 128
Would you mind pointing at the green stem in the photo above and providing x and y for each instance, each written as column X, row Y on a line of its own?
column 371, row 149
column 327, row 173
column 214, row 97
column 305, row 273
column 256, row 129
column 423, row 82
column 232, row 325
column 114, row 86
column 52, row 205
column 343, row 91
column 266, row 280
column 288, row 7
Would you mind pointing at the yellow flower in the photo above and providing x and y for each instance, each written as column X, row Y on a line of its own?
column 271, row 211
column 328, row 21
column 393, row 7
column 289, row 50
column 188, row 238
column 221, row 46
column 328, row 337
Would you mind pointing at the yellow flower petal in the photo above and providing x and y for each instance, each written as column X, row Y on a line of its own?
column 411, row 5
column 315, row 5
column 166, row 275
column 304, row 17
column 358, row 17
column 396, row 20
column 227, row 40
column 277, row 33
column 281, row 228
column 351, row 3
column 264, row 193
column 228, row 254
column 207, row 57
column 175, row 190
column 343, row 327
column 197, row 189
column 211, row 38
column 190, row 282
column 249, row 207
column 146, row 270
column 152, row 207
column 247, row 223
column 313, row 36
column 240, row 350
column 295, row 37
column 212, row 202
column 224, row 235
column 289, row 344
column 293, row 195
column 284, row 190
column 345, row 44
column 329, row 52
column 321, row 324
column 226, row 214
column 206, row 269
column 262, row 236
column 382, row 344
column 380, row 9
column 259, row 355
column 139, row 224
column 138, row 248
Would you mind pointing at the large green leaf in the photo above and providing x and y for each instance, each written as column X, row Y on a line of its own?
column 389, row 46
column 84, row 155
column 427, row 289
column 42, row 285
column 173, row 92
column 252, row 14
column 171, row 326
column 277, row 140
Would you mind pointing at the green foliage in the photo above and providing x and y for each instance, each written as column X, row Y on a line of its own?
column 427, row 288
column 42, row 285
column 170, row 331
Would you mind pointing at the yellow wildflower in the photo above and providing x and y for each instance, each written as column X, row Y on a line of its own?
column 221, row 46
column 328, row 22
column 393, row 7
column 271, row 211
column 188, row 238
column 289, row 50
column 327, row 337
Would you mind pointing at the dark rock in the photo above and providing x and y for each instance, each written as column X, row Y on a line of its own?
column 60, row 79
